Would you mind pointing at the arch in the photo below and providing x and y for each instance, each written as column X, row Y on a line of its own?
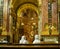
column 26, row 6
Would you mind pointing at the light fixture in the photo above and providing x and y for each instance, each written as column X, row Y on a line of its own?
column 32, row 18
column 34, row 23
column 22, row 23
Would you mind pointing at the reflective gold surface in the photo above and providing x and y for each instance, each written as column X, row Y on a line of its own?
column 28, row 18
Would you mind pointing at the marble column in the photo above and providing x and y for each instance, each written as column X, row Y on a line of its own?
column 44, row 13
column 10, row 22
column 5, row 14
column 40, row 19
column 54, row 13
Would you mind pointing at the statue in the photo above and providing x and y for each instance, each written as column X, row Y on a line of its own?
column 36, row 40
column 51, row 29
column 3, row 41
column 23, row 40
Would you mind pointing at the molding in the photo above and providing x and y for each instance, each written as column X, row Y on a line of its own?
column 25, row 6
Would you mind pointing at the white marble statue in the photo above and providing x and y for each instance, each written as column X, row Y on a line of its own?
column 23, row 40
column 36, row 40
column 3, row 41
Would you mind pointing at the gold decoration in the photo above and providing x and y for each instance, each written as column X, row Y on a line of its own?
column 26, row 6
column 4, row 32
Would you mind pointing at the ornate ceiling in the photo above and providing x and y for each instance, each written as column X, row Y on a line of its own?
column 17, row 3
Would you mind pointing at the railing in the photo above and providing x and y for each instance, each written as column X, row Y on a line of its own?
column 30, row 45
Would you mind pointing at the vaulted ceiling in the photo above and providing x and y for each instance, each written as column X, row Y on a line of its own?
column 17, row 3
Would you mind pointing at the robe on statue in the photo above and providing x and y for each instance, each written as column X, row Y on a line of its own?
column 23, row 40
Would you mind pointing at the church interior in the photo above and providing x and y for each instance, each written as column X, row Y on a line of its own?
column 29, row 22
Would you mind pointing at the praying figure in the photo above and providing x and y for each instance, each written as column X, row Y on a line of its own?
column 23, row 40
column 36, row 40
